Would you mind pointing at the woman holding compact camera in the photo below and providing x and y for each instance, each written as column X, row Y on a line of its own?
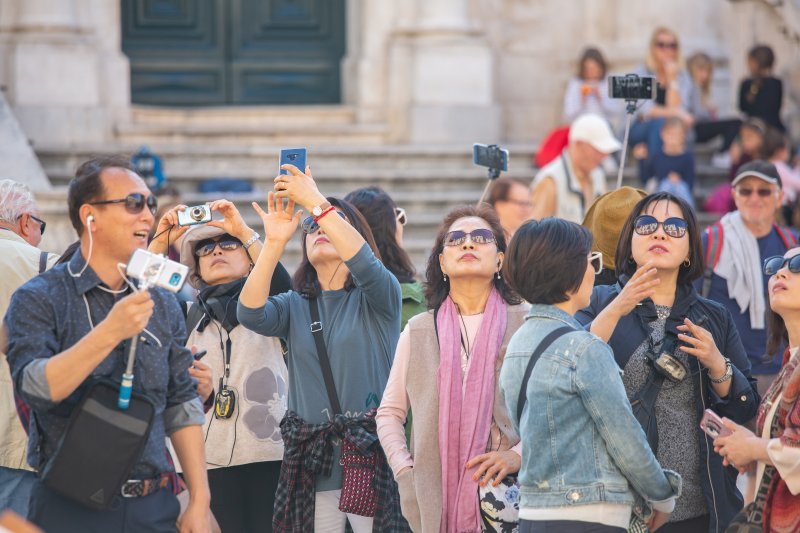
column 772, row 454
column 243, row 377
column 680, row 353
column 341, row 325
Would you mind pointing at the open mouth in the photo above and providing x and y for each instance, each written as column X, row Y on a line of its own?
column 140, row 234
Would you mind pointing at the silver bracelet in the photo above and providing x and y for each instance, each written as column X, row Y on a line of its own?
column 249, row 242
column 726, row 376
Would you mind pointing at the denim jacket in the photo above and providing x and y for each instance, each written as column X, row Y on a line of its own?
column 582, row 444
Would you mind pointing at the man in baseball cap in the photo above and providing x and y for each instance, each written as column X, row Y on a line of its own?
column 567, row 186
column 736, row 248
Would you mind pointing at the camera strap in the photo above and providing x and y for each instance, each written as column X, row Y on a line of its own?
column 322, row 355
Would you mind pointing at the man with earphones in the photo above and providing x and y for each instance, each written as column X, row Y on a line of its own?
column 73, row 324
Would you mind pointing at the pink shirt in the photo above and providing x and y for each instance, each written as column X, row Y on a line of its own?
column 394, row 404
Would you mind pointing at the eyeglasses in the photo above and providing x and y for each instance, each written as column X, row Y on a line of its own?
column 596, row 260
column 647, row 225
column 203, row 250
column 478, row 236
column 134, row 203
column 309, row 226
column 669, row 45
column 400, row 213
column 773, row 264
column 747, row 191
column 42, row 223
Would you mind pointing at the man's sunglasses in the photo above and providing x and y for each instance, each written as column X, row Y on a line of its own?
column 596, row 260
column 42, row 223
column 134, row 203
column 478, row 236
column 647, row 225
column 773, row 264
column 205, row 248
column 309, row 226
column 400, row 213
column 747, row 191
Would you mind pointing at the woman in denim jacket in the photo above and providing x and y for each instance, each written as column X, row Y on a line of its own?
column 654, row 316
column 585, row 457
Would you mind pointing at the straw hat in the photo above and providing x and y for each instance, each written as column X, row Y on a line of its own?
column 606, row 217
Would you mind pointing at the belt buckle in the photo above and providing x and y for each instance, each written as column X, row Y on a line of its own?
column 129, row 486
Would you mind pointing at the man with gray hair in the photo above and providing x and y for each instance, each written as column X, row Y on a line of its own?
column 21, row 230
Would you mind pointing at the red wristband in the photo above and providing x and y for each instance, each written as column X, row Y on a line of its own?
column 331, row 208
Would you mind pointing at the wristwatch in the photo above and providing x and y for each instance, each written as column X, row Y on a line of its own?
column 319, row 209
column 726, row 376
column 249, row 242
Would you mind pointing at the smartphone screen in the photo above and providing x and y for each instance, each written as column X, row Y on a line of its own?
column 293, row 156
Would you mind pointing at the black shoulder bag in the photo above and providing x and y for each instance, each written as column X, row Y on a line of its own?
column 549, row 339
column 358, row 470
column 100, row 446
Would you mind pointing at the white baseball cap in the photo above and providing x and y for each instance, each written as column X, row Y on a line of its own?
column 596, row 131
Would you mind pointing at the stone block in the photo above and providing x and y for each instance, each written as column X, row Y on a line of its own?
column 17, row 160
column 50, row 74
column 458, row 73
column 455, row 124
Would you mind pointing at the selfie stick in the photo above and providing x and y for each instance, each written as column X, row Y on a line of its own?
column 630, row 109
column 494, row 173
column 126, row 387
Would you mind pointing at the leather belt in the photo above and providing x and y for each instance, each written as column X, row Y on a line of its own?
column 136, row 488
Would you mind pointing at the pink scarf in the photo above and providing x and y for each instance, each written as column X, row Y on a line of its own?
column 464, row 426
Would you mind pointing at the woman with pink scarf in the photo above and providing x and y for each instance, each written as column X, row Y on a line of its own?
column 458, row 472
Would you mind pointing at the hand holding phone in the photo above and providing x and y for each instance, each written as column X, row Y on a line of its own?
column 712, row 424
column 292, row 156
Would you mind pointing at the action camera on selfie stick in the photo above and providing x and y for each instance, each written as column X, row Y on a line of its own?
column 492, row 157
column 152, row 270
column 631, row 88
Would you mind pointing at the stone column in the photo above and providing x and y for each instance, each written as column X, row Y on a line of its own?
column 59, row 63
column 450, row 68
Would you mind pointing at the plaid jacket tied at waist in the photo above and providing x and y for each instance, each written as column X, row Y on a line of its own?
column 308, row 452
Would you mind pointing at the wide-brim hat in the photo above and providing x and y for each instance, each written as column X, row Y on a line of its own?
column 606, row 217
column 191, row 238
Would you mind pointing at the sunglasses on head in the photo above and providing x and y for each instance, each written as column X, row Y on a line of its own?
column 773, row 264
column 206, row 247
column 596, row 260
column 477, row 236
column 134, row 203
column 400, row 214
column 647, row 225
column 669, row 45
column 747, row 191
column 309, row 226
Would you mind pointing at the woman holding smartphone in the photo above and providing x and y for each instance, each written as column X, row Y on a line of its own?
column 772, row 454
column 585, row 457
column 680, row 354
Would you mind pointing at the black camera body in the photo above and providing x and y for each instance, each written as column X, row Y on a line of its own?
column 224, row 403
column 632, row 87
column 490, row 156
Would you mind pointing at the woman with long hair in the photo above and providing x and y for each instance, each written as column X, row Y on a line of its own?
column 386, row 221
column 772, row 453
column 454, row 475
column 341, row 325
column 680, row 354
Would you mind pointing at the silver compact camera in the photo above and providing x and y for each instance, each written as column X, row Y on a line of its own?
column 198, row 214
column 155, row 270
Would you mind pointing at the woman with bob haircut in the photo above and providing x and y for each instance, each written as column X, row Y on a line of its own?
column 772, row 454
column 561, row 385
column 463, row 447
column 680, row 354
column 357, row 303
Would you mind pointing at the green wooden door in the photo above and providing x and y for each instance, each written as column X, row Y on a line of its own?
column 228, row 52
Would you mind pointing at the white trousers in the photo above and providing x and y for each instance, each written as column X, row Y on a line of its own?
column 329, row 519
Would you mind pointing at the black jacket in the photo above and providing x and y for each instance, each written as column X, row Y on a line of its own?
column 718, row 482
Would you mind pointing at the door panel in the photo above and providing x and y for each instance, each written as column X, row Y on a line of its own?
column 216, row 52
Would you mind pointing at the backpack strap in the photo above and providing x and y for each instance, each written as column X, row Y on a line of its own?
column 713, row 251
column 194, row 314
column 786, row 235
column 537, row 353
column 42, row 262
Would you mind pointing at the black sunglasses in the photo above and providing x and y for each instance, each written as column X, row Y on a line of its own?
column 773, row 264
column 670, row 45
column 647, row 225
column 134, row 203
column 309, row 226
column 205, row 248
column 477, row 236
column 42, row 223
column 747, row 191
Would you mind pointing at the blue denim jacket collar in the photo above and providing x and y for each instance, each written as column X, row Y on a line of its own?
column 554, row 313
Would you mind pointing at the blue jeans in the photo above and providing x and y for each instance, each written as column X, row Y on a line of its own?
column 15, row 490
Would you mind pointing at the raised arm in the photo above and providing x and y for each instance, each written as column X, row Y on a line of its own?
column 640, row 286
